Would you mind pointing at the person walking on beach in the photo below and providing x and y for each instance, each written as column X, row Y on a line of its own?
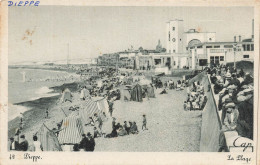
column 47, row 113
column 110, row 103
column 144, row 123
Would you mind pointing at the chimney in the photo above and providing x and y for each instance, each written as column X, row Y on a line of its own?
column 239, row 38
column 252, row 29
column 235, row 39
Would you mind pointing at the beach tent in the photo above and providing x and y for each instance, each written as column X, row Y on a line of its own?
column 66, row 96
column 90, row 107
column 136, row 93
column 71, row 130
column 48, row 139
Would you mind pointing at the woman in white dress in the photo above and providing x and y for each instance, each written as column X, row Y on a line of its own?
column 36, row 146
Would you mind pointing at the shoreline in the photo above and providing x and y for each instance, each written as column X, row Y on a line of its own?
column 40, row 67
column 37, row 109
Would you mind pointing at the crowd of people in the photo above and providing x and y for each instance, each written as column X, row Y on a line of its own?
column 196, row 98
column 235, row 90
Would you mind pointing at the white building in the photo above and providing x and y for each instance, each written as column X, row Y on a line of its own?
column 206, row 54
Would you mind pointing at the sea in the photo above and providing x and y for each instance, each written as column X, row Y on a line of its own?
column 22, row 90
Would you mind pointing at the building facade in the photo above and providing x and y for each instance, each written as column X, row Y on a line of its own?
column 185, row 50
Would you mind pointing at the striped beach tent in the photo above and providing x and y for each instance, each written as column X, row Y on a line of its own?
column 48, row 139
column 71, row 130
column 89, row 108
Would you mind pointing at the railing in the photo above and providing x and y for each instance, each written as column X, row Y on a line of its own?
column 214, row 99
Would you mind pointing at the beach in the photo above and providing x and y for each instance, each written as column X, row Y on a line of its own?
column 169, row 126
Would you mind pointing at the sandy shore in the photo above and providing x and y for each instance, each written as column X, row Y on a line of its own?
column 170, row 128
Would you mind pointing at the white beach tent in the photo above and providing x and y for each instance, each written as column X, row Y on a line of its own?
column 71, row 130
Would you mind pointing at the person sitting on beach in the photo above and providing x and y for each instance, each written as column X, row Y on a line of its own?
column 83, row 143
column 36, row 146
column 76, row 147
column 134, row 129
column 112, row 134
column 126, row 127
column 164, row 91
column 121, row 131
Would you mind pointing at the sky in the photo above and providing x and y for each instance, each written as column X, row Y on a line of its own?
column 48, row 33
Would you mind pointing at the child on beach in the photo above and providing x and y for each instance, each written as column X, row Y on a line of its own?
column 144, row 123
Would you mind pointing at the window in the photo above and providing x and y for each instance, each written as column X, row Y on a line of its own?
column 217, row 46
column 246, row 56
column 228, row 46
column 173, row 40
column 252, row 47
column 221, row 58
column 208, row 46
column 180, row 39
column 210, row 39
column 173, row 28
column 173, row 51
column 199, row 46
column 248, row 47
column 244, row 47
column 169, row 51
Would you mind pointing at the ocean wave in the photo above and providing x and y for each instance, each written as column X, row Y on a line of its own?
column 44, row 92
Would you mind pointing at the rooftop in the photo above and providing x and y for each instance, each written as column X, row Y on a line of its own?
column 221, row 43
column 195, row 31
